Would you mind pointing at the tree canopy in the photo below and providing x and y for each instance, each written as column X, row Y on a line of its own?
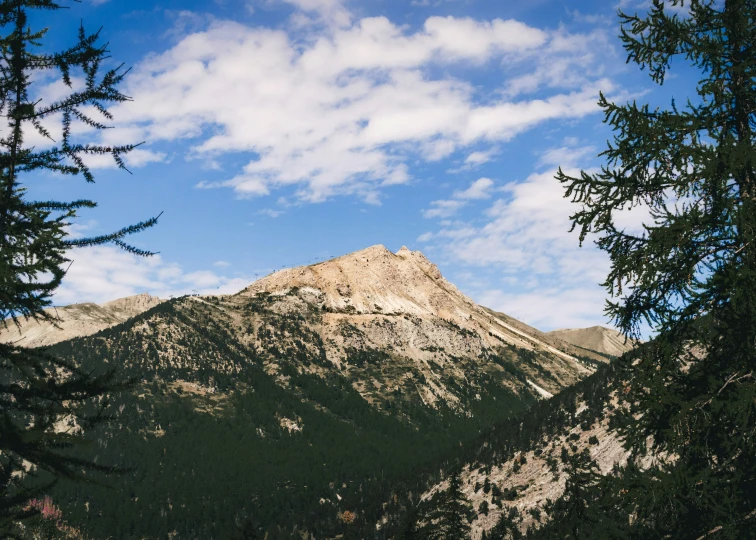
column 691, row 273
column 46, row 403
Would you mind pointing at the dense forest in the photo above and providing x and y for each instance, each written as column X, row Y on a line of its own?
column 221, row 446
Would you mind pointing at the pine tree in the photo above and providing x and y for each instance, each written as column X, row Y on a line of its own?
column 508, row 526
column 450, row 518
column 409, row 529
column 572, row 516
column 589, row 507
column 38, row 391
column 691, row 274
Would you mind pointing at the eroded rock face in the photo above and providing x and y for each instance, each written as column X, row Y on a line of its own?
column 76, row 320
column 401, row 305
column 375, row 280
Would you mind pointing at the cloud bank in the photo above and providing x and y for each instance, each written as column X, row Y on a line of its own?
column 345, row 110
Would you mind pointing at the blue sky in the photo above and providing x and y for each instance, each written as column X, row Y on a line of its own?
column 279, row 132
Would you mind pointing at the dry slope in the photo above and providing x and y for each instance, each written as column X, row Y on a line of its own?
column 596, row 338
column 77, row 320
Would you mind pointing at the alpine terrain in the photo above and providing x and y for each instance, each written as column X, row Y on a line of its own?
column 307, row 404
column 596, row 338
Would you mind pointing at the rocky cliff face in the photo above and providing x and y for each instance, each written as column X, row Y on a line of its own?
column 400, row 304
column 76, row 320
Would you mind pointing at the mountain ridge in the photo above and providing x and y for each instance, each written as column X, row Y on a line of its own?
column 374, row 350
column 76, row 320
column 596, row 338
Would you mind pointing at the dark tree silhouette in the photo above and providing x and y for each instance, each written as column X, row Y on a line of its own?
column 449, row 519
column 691, row 274
column 508, row 526
column 46, row 404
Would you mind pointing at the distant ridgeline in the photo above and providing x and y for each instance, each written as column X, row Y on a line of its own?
column 316, row 403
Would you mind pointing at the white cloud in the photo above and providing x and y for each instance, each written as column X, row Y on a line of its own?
column 221, row 264
column 344, row 112
column 479, row 158
column 527, row 230
column 443, row 208
column 134, row 159
column 103, row 273
column 475, row 160
column 564, row 61
column 565, row 156
column 544, row 277
column 329, row 11
column 480, row 189
column 550, row 308
column 79, row 230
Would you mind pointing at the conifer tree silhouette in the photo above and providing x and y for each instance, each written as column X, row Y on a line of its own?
column 449, row 520
column 691, row 274
column 38, row 392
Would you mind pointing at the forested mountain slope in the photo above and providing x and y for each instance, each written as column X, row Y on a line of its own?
column 521, row 463
column 303, row 403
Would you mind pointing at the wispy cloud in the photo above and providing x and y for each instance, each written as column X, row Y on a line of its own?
column 104, row 273
column 479, row 189
column 478, row 158
column 332, row 12
column 543, row 275
column 270, row 212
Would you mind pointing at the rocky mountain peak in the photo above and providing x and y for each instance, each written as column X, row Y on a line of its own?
column 374, row 280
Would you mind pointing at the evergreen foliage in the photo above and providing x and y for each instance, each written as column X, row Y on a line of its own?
column 507, row 527
column 449, row 519
column 691, row 274
column 221, row 464
column 39, row 391
column 581, row 512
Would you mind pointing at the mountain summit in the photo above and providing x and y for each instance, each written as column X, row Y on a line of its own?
column 401, row 302
column 596, row 338
column 375, row 280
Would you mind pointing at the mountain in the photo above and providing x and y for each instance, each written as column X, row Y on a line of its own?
column 76, row 320
column 305, row 402
column 596, row 338
column 400, row 304
column 521, row 463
